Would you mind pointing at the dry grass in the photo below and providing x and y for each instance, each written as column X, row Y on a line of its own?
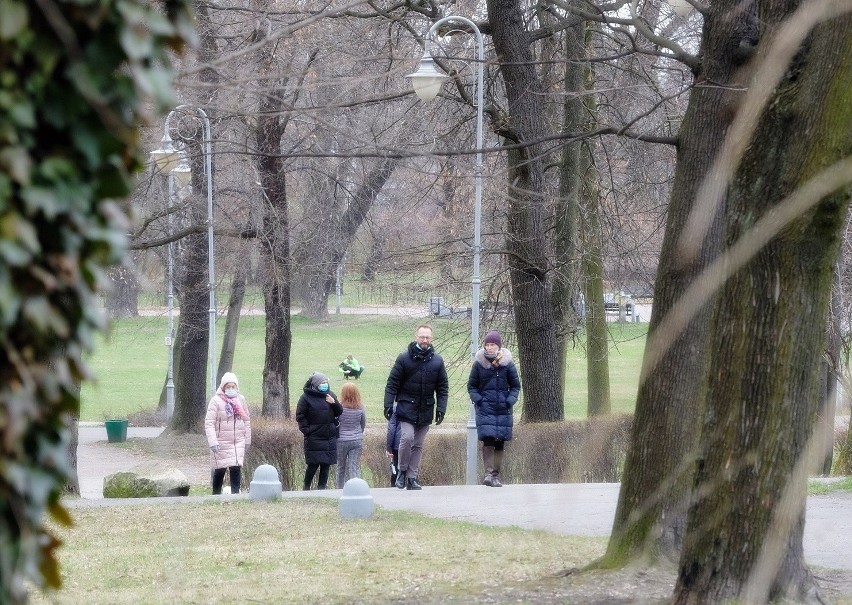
column 295, row 550
column 298, row 550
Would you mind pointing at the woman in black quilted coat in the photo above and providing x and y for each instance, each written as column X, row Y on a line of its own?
column 317, row 415
column 493, row 387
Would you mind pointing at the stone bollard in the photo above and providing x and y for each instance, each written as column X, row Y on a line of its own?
column 356, row 501
column 265, row 484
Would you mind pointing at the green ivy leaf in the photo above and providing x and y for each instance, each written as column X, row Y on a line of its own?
column 22, row 114
column 44, row 317
column 136, row 42
column 42, row 199
column 10, row 300
column 16, row 162
column 156, row 83
column 15, row 19
column 18, row 239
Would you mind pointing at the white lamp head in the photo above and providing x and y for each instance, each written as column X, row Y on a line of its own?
column 427, row 80
column 681, row 7
column 182, row 172
column 166, row 157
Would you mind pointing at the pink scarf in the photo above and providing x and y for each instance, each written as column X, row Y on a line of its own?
column 233, row 407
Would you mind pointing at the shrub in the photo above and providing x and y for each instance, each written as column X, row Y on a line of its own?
column 560, row 452
column 278, row 443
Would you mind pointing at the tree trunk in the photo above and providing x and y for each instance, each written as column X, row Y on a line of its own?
column 597, row 335
column 844, row 457
column 744, row 534
column 830, row 370
column 72, row 486
column 232, row 322
column 377, row 252
column 657, row 478
column 564, row 293
column 276, row 294
column 275, row 237
column 275, row 249
column 527, row 242
column 122, row 299
column 329, row 241
column 190, row 374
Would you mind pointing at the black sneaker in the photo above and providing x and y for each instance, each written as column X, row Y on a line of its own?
column 400, row 479
column 412, row 484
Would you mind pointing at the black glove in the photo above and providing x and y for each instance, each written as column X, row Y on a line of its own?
column 439, row 417
column 388, row 413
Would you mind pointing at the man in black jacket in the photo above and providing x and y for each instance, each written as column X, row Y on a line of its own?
column 418, row 376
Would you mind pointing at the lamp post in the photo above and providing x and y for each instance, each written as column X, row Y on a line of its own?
column 168, row 159
column 427, row 81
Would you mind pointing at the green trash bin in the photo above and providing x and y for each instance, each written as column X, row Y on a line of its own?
column 116, row 430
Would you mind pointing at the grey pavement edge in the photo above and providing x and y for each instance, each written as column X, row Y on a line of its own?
column 584, row 509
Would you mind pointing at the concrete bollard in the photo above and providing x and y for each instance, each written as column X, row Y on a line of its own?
column 265, row 484
column 356, row 501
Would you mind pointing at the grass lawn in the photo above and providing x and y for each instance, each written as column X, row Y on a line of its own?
column 130, row 362
column 296, row 550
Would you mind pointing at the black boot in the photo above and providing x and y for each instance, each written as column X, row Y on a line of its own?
column 412, row 484
column 498, row 462
column 488, row 461
column 400, row 479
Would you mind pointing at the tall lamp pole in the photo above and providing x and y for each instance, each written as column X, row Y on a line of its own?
column 167, row 159
column 427, row 81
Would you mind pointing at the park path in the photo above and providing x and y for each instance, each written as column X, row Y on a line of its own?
column 567, row 509
column 97, row 458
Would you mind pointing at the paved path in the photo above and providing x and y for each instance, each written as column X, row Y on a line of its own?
column 96, row 458
column 569, row 508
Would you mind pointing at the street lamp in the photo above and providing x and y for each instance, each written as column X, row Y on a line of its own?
column 427, row 81
column 168, row 159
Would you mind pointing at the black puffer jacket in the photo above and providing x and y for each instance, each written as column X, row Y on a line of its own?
column 316, row 419
column 493, row 391
column 415, row 380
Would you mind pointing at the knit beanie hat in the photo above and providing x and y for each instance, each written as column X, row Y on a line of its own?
column 494, row 337
column 228, row 377
column 317, row 379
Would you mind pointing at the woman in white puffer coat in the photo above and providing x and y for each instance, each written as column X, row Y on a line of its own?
column 228, row 430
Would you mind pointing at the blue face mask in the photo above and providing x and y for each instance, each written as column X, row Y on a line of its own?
column 323, row 388
column 231, row 392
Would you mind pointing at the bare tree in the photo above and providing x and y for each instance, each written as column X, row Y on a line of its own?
column 771, row 312
column 528, row 247
column 657, row 478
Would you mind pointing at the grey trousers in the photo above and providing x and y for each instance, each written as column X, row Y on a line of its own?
column 411, row 448
column 348, row 461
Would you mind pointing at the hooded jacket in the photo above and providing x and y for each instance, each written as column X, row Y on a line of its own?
column 316, row 419
column 494, row 389
column 230, row 432
column 416, row 379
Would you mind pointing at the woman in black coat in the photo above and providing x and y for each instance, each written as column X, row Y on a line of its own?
column 493, row 387
column 317, row 415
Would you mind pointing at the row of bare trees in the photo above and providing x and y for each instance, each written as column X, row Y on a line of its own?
column 600, row 118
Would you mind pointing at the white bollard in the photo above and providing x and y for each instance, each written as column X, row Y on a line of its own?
column 356, row 501
column 265, row 484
